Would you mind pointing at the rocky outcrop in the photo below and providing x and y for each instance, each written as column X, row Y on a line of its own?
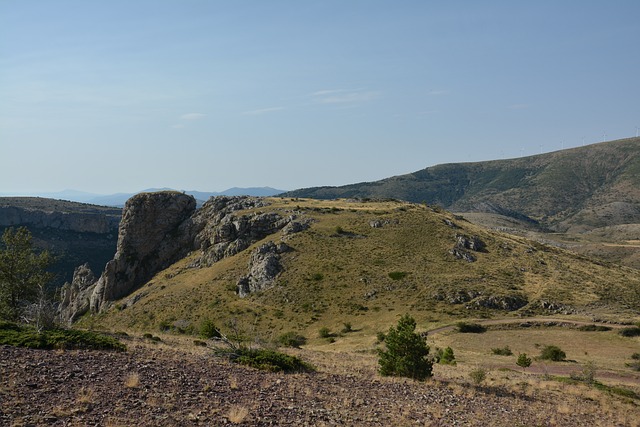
column 75, row 296
column 223, row 233
column 158, row 229
column 464, row 244
column 155, row 231
column 264, row 267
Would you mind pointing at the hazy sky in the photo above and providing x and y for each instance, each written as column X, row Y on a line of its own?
column 121, row 95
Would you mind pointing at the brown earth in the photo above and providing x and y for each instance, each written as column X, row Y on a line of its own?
column 152, row 387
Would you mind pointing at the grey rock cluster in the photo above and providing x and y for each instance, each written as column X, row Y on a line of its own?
column 464, row 244
column 264, row 267
column 75, row 296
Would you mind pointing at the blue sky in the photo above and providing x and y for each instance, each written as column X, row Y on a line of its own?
column 119, row 96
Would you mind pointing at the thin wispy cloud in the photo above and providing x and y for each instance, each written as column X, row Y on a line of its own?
column 262, row 111
column 342, row 96
column 193, row 116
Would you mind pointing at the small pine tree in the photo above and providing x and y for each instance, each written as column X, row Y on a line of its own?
column 406, row 353
column 447, row 357
column 523, row 361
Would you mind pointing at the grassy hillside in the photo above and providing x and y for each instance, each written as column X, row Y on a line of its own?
column 344, row 271
column 590, row 186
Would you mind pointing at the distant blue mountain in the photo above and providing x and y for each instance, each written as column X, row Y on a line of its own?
column 119, row 199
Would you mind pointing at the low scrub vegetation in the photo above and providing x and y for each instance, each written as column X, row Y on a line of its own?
column 470, row 328
column 26, row 336
column 553, row 353
column 594, row 328
column 503, row 351
column 292, row 339
column 633, row 331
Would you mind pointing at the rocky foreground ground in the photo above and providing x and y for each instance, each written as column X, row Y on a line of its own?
column 153, row 387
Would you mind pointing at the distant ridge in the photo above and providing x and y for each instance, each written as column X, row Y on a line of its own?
column 119, row 199
column 578, row 188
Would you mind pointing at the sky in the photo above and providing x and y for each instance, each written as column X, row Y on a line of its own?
column 123, row 95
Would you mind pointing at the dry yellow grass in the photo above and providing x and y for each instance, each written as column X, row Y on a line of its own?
column 132, row 380
column 237, row 414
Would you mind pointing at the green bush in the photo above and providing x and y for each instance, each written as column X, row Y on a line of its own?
column 347, row 328
column 269, row 360
column 478, row 375
column 635, row 356
column 208, row 329
column 593, row 328
column 504, row 351
column 406, row 353
column 398, row 275
column 25, row 336
column 633, row 331
column 470, row 328
column 324, row 332
column 446, row 356
column 523, row 361
column 292, row 339
column 554, row 353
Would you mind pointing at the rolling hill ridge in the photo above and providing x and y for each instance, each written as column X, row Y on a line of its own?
column 575, row 189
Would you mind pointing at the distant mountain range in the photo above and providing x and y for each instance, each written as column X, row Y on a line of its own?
column 119, row 199
column 575, row 189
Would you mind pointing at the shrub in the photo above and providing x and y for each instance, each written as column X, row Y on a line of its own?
column 478, row 375
column 523, row 361
column 292, row 339
column 324, row 332
column 446, row 357
column 347, row 328
column 406, row 353
column 504, row 351
column 554, row 353
column 633, row 331
column 208, row 329
column 380, row 336
column 25, row 336
column 635, row 356
column 398, row 275
column 269, row 360
column 593, row 328
column 470, row 328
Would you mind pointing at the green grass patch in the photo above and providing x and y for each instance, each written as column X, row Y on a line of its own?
column 25, row 336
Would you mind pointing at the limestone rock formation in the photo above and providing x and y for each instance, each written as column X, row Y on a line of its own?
column 75, row 295
column 155, row 231
column 158, row 229
column 263, row 268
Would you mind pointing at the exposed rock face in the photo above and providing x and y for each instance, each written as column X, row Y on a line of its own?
column 263, row 268
column 222, row 233
column 158, row 229
column 464, row 244
column 75, row 295
column 155, row 231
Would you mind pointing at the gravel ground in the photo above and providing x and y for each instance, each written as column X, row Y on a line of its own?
column 153, row 387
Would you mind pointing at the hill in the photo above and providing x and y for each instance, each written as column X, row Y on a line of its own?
column 358, row 263
column 570, row 190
